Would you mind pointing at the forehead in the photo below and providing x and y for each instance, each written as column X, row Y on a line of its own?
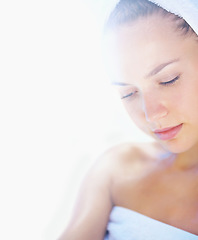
column 139, row 46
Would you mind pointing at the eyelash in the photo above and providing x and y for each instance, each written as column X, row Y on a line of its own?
column 128, row 95
column 171, row 82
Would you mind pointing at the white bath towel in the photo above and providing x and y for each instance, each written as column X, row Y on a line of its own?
column 125, row 224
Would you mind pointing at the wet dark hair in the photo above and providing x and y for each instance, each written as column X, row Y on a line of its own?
column 127, row 11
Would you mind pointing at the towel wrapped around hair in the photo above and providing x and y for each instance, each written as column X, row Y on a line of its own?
column 187, row 9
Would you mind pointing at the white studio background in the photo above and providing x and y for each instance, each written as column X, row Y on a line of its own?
column 57, row 112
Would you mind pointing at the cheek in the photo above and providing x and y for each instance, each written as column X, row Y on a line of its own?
column 135, row 112
column 186, row 99
column 178, row 99
column 190, row 103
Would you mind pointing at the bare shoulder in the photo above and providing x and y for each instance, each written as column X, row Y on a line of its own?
column 129, row 155
column 133, row 164
column 118, row 157
column 94, row 203
column 96, row 199
column 132, row 158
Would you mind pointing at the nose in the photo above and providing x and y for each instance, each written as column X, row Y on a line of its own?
column 154, row 107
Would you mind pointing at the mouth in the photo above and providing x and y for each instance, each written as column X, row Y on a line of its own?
column 168, row 133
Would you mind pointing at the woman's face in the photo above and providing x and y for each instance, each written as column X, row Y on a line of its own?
column 155, row 69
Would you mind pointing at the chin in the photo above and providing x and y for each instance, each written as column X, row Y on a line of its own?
column 178, row 145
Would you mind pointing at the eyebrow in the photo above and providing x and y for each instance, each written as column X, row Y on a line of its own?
column 159, row 68
column 155, row 71
column 120, row 83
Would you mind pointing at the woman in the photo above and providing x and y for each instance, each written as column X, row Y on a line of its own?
column 147, row 191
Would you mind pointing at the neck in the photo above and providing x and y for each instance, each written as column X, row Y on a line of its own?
column 186, row 160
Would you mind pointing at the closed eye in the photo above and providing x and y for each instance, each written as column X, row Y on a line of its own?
column 170, row 82
column 128, row 95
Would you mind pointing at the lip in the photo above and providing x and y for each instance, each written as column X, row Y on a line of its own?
column 168, row 133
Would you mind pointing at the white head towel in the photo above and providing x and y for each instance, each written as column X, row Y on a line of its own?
column 187, row 9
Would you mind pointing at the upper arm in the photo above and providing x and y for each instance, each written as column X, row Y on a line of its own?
column 93, row 206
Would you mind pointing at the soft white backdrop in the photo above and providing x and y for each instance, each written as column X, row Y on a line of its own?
column 57, row 111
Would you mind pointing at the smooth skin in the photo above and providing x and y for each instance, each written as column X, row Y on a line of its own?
column 155, row 69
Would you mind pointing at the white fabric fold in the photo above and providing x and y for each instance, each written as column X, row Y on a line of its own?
column 187, row 9
column 125, row 224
